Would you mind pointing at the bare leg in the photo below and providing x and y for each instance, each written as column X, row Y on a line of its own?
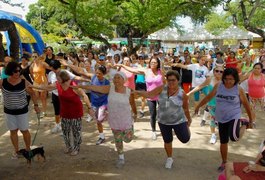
column 224, row 150
column 43, row 96
column 27, row 139
column 100, row 127
column 133, row 104
column 57, row 119
column 168, row 148
column 14, row 139
column 143, row 104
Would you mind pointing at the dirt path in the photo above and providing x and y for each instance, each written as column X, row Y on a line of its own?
column 144, row 157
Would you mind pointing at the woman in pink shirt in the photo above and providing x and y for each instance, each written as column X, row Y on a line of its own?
column 154, row 78
column 256, row 88
column 130, row 83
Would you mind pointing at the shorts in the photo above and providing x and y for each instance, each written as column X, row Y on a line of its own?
column 123, row 135
column 181, row 130
column 197, row 94
column 229, row 129
column 100, row 113
column 56, row 104
column 20, row 121
column 257, row 104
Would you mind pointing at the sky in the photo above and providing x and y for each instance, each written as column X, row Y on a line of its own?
column 185, row 22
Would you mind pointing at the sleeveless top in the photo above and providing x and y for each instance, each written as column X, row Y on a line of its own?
column 119, row 117
column 246, row 69
column 153, row 81
column 227, row 104
column 256, row 87
column 15, row 97
column 39, row 74
column 71, row 106
column 98, row 99
column 172, row 113
column 212, row 102
column 130, row 83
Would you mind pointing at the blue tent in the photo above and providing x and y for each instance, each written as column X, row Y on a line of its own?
column 29, row 39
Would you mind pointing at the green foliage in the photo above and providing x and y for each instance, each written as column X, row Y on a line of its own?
column 217, row 23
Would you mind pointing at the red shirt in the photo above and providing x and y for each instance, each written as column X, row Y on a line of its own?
column 229, row 60
column 71, row 106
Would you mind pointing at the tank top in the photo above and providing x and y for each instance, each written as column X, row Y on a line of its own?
column 15, row 98
column 246, row 69
column 39, row 74
column 119, row 117
column 212, row 102
column 70, row 104
column 153, row 81
column 130, row 83
column 98, row 99
column 227, row 104
column 174, row 113
column 256, row 86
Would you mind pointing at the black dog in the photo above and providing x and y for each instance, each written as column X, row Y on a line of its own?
column 39, row 151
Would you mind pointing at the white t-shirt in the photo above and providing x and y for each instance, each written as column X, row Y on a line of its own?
column 199, row 74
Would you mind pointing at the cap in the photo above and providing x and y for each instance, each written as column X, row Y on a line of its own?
column 176, row 54
column 122, row 74
column 109, row 55
column 160, row 52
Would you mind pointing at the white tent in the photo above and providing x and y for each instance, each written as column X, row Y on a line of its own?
column 198, row 34
column 233, row 32
column 166, row 34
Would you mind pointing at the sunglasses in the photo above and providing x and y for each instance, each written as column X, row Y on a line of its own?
column 16, row 71
column 218, row 71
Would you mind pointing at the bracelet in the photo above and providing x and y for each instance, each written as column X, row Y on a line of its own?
column 36, row 105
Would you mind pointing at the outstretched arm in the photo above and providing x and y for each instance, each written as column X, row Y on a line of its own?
column 197, row 88
column 139, row 70
column 101, row 89
column 150, row 94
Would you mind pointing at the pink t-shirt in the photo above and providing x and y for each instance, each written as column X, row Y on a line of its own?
column 256, row 87
column 130, row 83
column 153, row 81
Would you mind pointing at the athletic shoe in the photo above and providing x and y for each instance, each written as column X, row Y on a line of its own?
column 74, row 153
column 67, row 150
column 100, row 141
column 56, row 129
column 141, row 114
column 169, row 163
column 203, row 122
column 154, row 136
column 120, row 163
column 221, row 168
column 89, row 118
column 213, row 139
column 16, row 155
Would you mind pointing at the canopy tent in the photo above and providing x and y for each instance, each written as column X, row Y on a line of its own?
column 166, row 34
column 233, row 32
column 23, row 32
column 199, row 34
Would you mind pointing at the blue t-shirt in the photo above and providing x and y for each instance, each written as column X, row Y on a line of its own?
column 3, row 74
column 98, row 99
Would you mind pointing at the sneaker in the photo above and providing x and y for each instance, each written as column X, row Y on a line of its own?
column 16, row 155
column 141, row 114
column 203, row 122
column 221, row 168
column 74, row 153
column 67, row 150
column 120, row 163
column 154, row 136
column 100, row 141
column 89, row 118
column 169, row 163
column 55, row 129
column 213, row 139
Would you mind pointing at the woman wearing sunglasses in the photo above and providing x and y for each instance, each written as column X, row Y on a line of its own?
column 173, row 112
column 15, row 90
column 210, row 82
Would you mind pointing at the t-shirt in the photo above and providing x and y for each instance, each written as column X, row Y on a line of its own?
column 199, row 74
column 98, row 99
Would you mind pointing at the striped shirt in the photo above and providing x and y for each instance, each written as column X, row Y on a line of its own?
column 15, row 99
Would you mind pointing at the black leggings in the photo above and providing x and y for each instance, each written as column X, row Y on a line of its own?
column 181, row 130
column 56, row 104
column 229, row 129
column 152, row 105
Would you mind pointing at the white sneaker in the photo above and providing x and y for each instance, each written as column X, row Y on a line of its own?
column 213, row 139
column 154, row 136
column 169, row 163
column 55, row 129
column 89, row 118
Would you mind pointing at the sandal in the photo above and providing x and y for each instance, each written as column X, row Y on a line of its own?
column 16, row 155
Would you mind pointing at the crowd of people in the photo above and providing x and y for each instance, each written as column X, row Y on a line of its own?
column 109, row 82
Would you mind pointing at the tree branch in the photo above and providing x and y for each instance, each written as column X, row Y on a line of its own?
column 64, row 2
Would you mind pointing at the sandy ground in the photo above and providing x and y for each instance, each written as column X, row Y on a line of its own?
column 145, row 158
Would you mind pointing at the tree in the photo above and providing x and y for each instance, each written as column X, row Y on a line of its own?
column 249, row 13
column 217, row 23
column 133, row 18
